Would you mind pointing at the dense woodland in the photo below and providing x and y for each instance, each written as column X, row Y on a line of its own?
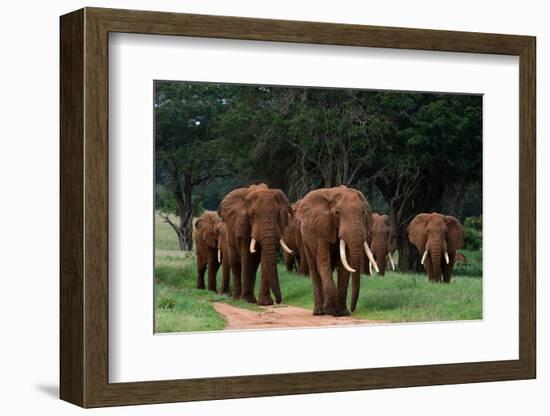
column 407, row 152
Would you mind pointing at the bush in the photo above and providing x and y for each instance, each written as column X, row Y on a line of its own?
column 164, row 200
column 473, row 233
column 166, row 203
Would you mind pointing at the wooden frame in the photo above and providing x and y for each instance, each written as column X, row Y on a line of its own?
column 84, row 207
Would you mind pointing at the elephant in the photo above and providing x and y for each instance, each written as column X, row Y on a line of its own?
column 223, row 255
column 435, row 235
column 382, row 243
column 206, row 247
column 256, row 218
column 335, row 223
column 293, row 238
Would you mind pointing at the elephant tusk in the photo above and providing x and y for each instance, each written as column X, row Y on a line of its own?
column 391, row 262
column 446, row 257
column 424, row 257
column 370, row 268
column 219, row 256
column 370, row 256
column 252, row 246
column 343, row 257
column 285, row 247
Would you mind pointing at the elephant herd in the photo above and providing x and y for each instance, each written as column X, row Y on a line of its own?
column 328, row 229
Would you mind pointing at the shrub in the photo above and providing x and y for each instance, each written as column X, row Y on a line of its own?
column 473, row 233
column 167, row 303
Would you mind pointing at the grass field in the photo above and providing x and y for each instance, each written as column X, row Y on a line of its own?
column 397, row 297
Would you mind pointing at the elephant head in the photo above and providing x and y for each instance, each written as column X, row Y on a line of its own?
column 381, row 242
column 206, row 229
column 259, row 214
column 340, row 215
column 221, row 237
column 436, row 235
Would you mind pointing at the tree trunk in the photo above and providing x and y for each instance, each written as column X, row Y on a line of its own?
column 183, row 197
column 408, row 196
column 409, row 259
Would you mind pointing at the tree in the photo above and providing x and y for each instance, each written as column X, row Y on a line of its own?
column 187, row 157
column 426, row 144
column 409, row 152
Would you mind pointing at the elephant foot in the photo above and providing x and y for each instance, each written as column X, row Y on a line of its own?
column 341, row 312
column 318, row 312
column 250, row 298
column 330, row 310
column 213, row 289
column 225, row 292
column 265, row 300
column 201, row 286
column 236, row 296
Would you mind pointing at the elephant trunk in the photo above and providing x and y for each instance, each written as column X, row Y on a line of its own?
column 270, row 243
column 356, row 253
column 380, row 255
column 435, row 255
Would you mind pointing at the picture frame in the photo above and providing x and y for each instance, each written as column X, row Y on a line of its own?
column 84, row 219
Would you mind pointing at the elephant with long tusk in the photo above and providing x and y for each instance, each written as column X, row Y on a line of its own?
column 437, row 237
column 382, row 242
column 334, row 224
column 256, row 218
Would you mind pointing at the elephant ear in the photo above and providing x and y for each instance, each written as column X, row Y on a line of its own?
column 417, row 231
column 232, row 211
column 315, row 215
column 285, row 210
column 455, row 233
column 200, row 227
column 369, row 220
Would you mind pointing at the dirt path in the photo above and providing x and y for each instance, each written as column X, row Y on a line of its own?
column 280, row 316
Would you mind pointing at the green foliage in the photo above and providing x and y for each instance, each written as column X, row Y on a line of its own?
column 473, row 233
column 474, row 265
column 164, row 200
column 408, row 152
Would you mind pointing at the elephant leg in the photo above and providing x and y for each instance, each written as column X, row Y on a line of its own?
column 324, row 267
column 213, row 267
column 289, row 261
column 343, row 284
column 225, row 276
column 248, row 276
column 302, row 263
column 201, row 269
column 236, row 270
column 448, row 268
column 315, row 282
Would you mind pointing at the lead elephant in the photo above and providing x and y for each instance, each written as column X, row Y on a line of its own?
column 334, row 224
column 206, row 249
column 293, row 238
column 256, row 218
column 437, row 237
column 223, row 256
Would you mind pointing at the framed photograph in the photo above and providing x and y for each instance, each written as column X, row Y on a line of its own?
column 255, row 207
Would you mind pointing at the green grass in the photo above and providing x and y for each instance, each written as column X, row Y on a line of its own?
column 397, row 297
